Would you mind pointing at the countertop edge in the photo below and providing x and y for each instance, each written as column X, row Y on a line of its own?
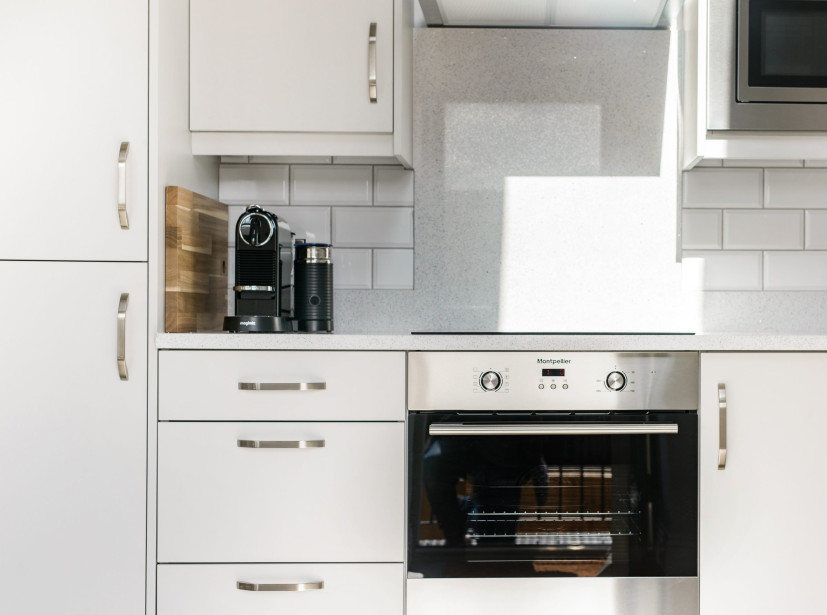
column 711, row 342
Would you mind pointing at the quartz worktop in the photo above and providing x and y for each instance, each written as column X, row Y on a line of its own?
column 487, row 341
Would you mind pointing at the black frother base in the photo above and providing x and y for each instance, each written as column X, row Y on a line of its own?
column 314, row 326
column 258, row 324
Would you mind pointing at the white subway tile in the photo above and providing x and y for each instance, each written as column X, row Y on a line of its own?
column 352, row 268
column 795, row 271
column 310, row 223
column 253, row 184
column 710, row 162
column 393, row 186
column 331, row 185
column 738, row 162
column 701, row 229
column 722, row 188
column 393, row 269
column 815, row 226
column 763, row 229
column 291, row 159
column 815, row 163
column 729, row 270
column 375, row 227
column 799, row 188
column 234, row 159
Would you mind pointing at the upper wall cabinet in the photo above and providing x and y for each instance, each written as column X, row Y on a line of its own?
column 301, row 77
column 74, row 90
column 740, row 82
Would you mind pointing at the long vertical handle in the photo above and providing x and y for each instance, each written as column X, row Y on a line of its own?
column 124, row 303
column 372, row 63
column 721, row 426
column 122, row 185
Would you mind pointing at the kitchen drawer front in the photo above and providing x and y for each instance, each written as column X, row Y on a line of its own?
column 358, row 386
column 340, row 502
column 348, row 589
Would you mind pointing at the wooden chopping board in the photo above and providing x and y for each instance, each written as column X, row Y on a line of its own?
column 196, row 262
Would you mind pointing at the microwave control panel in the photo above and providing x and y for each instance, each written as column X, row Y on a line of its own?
column 538, row 381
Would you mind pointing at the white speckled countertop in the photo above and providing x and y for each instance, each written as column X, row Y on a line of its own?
column 372, row 341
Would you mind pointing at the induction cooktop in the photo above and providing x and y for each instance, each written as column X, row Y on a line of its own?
column 545, row 333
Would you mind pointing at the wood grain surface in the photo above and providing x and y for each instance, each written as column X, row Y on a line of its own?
column 196, row 262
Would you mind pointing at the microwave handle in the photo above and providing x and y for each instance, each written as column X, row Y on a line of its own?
column 510, row 429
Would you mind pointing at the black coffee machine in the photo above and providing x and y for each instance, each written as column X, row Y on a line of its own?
column 263, row 274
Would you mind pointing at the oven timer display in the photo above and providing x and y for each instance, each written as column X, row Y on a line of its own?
column 554, row 372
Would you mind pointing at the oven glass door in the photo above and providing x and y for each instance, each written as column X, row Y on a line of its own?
column 571, row 495
column 782, row 51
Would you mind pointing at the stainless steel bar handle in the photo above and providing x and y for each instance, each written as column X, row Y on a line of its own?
column 722, row 427
column 279, row 587
column 280, row 443
column 372, row 63
column 282, row 386
column 122, row 305
column 462, row 429
column 122, row 185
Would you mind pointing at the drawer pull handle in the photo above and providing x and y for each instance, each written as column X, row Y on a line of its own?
column 280, row 443
column 123, row 304
column 279, row 587
column 122, row 155
column 372, row 63
column 282, row 386
column 722, row 427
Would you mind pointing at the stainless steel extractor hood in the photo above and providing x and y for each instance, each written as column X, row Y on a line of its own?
column 544, row 13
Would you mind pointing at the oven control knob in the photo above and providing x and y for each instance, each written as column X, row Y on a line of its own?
column 616, row 381
column 491, row 381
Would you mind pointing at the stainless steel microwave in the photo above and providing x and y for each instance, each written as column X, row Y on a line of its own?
column 767, row 65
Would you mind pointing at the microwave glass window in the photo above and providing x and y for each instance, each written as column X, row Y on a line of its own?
column 788, row 43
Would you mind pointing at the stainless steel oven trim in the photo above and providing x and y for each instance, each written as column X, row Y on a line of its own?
column 516, row 429
column 611, row 595
column 745, row 92
column 724, row 112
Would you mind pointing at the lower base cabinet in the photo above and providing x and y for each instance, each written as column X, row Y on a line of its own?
column 762, row 530
column 343, row 589
column 72, row 438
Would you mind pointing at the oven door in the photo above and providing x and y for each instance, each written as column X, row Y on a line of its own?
column 553, row 495
column 782, row 51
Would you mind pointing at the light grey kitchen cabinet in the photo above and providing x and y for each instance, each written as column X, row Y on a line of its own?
column 763, row 490
column 277, row 469
column 73, row 349
column 72, row 438
column 74, row 90
column 301, row 77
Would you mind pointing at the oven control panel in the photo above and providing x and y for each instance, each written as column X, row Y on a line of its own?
column 552, row 381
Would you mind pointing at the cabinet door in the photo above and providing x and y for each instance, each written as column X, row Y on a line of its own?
column 72, row 439
column 763, row 536
column 73, row 87
column 290, row 66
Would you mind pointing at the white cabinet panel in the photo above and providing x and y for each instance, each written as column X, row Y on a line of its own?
column 74, row 86
column 292, row 65
column 358, row 386
column 72, row 439
column 348, row 589
column 762, row 536
column 220, row 502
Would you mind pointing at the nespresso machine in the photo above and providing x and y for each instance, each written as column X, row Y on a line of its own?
column 263, row 274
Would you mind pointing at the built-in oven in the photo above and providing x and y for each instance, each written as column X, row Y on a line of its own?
column 767, row 65
column 565, row 479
